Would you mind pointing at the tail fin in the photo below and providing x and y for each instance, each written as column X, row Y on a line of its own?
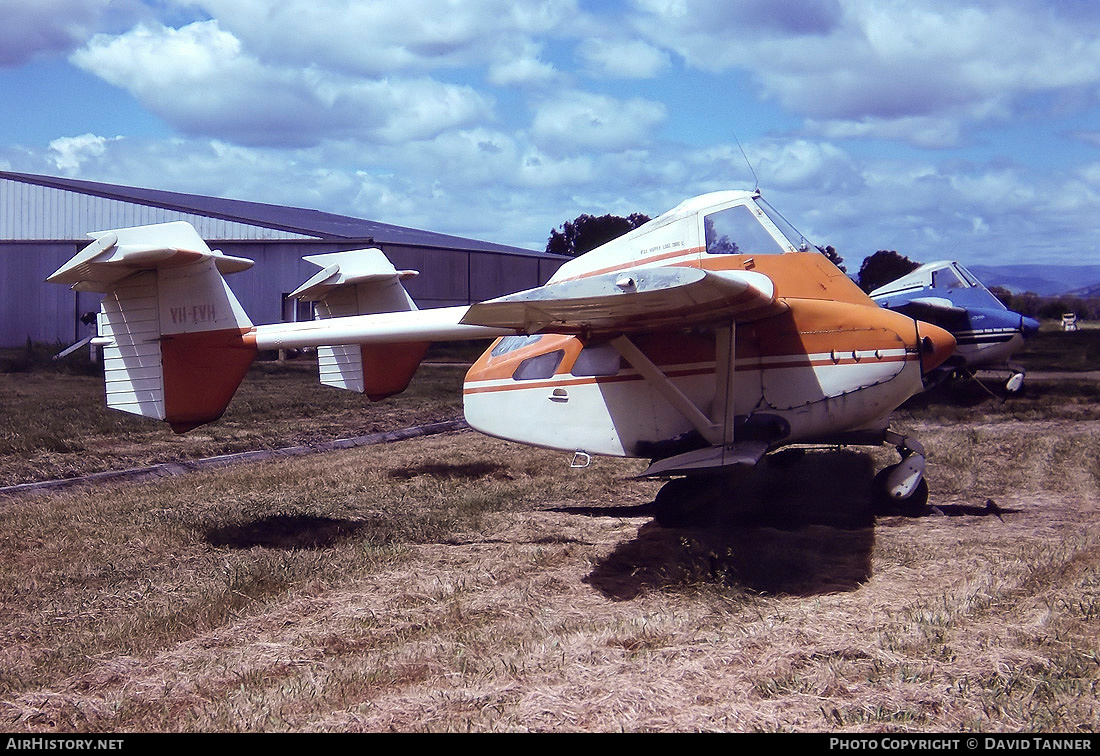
column 362, row 282
column 170, row 327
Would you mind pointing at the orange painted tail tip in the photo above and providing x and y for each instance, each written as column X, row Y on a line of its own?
column 936, row 345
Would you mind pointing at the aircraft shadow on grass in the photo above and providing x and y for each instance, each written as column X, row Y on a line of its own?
column 801, row 525
column 285, row 532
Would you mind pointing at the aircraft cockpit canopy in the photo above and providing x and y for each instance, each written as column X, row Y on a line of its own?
column 954, row 276
column 751, row 229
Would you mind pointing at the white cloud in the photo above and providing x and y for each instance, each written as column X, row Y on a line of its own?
column 622, row 59
column 200, row 79
column 496, row 186
column 69, row 153
column 922, row 70
column 525, row 67
column 34, row 29
column 1086, row 137
column 922, row 131
column 794, row 164
column 382, row 110
column 384, row 38
column 581, row 120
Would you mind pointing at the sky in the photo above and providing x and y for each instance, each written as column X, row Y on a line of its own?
column 965, row 130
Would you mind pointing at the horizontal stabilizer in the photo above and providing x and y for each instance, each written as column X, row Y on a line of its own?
column 646, row 298
column 114, row 255
column 341, row 269
column 362, row 282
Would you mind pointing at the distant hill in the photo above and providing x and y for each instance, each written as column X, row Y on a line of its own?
column 1045, row 280
column 1086, row 292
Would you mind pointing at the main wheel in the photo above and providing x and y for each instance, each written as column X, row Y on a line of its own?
column 683, row 502
column 884, row 503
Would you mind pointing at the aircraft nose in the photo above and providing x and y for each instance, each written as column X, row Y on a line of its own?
column 1028, row 326
column 936, row 345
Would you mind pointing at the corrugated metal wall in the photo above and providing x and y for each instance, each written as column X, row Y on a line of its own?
column 40, row 228
column 29, row 212
column 49, row 313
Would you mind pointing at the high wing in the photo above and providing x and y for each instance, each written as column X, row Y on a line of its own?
column 939, row 310
column 646, row 299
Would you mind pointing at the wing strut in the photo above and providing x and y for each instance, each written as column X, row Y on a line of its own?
column 725, row 351
column 718, row 431
column 724, row 451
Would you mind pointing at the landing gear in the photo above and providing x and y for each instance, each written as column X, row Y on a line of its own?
column 902, row 486
column 885, row 503
column 802, row 484
column 683, row 502
column 1016, row 380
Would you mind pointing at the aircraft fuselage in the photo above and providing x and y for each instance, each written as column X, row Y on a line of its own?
column 833, row 362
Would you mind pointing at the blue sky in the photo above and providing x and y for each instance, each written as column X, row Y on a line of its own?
column 968, row 130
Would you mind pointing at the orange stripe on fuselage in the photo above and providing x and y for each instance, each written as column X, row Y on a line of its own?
column 562, row 380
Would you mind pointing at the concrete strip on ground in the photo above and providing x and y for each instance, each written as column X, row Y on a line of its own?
column 224, row 460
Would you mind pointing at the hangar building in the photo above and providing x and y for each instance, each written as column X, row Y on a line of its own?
column 44, row 221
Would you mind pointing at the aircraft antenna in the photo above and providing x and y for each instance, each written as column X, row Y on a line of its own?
column 756, row 187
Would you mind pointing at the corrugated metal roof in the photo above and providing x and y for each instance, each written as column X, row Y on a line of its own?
column 290, row 220
column 32, row 212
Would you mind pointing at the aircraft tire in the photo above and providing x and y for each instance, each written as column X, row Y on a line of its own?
column 884, row 503
column 683, row 502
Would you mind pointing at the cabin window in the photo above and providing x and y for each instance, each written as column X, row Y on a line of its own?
column 736, row 231
column 512, row 343
column 597, row 360
column 539, row 366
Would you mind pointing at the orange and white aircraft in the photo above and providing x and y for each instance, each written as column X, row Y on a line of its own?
column 701, row 341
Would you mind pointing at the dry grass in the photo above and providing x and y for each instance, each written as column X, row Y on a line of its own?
column 55, row 425
column 461, row 583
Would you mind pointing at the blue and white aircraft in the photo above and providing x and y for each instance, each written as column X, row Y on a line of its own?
column 986, row 332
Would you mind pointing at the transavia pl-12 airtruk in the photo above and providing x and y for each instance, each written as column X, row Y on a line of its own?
column 986, row 332
column 701, row 341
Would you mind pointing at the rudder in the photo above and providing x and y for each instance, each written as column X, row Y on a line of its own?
column 170, row 327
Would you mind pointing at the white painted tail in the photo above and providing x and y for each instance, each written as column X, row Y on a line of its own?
column 171, row 329
column 362, row 282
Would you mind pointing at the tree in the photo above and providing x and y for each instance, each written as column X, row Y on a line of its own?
column 1003, row 295
column 883, row 267
column 830, row 252
column 588, row 232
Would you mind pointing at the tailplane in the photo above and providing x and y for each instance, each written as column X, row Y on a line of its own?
column 362, row 282
column 170, row 327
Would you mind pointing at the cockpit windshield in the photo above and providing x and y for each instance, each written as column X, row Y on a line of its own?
column 968, row 276
column 737, row 231
column 797, row 240
column 947, row 278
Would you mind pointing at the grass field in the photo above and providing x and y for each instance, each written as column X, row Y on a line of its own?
column 1057, row 350
column 55, row 425
column 460, row 583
